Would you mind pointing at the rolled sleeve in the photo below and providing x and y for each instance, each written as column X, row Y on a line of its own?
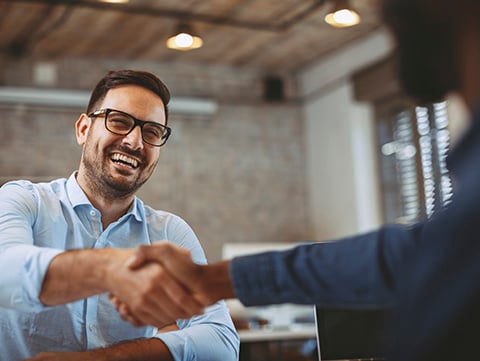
column 210, row 336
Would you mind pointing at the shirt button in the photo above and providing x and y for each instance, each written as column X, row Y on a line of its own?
column 91, row 327
column 92, row 213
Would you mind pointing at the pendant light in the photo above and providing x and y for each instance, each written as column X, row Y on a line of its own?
column 184, row 39
column 115, row 1
column 342, row 15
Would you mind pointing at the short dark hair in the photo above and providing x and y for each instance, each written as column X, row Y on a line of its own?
column 117, row 78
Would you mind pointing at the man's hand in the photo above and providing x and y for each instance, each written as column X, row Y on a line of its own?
column 152, row 294
column 194, row 284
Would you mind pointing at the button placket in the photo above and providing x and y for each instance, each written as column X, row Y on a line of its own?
column 92, row 332
column 95, row 223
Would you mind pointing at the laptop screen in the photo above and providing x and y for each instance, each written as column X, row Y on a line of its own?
column 350, row 334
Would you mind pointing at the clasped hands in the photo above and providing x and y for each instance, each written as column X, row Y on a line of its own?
column 171, row 286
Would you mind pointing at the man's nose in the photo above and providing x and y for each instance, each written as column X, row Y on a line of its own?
column 134, row 138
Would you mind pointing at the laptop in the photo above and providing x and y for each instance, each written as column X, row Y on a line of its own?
column 345, row 334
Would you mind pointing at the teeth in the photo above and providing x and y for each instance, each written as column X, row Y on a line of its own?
column 125, row 159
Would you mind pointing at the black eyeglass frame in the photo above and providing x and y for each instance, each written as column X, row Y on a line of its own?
column 139, row 122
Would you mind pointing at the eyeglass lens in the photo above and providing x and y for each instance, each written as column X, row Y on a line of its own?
column 122, row 124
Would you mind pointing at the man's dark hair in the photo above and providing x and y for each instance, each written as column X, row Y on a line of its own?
column 427, row 52
column 117, row 78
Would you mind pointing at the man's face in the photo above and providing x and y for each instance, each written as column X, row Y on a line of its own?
column 425, row 37
column 116, row 166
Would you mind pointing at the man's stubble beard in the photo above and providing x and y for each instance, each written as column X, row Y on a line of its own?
column 102, row 184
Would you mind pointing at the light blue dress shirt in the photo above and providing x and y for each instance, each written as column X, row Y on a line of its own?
column 39, row 221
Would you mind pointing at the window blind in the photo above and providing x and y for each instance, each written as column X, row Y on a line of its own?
column 414, row 143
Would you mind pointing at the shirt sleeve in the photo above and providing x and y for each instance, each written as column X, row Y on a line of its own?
column 355, row 272
column 23, row 266
column 208, row 337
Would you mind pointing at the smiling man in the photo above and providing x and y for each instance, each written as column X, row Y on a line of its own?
column 65, row 246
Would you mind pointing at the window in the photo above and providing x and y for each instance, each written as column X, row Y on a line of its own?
column 413, row 141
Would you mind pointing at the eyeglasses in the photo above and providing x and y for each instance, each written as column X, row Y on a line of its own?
column 121, row 123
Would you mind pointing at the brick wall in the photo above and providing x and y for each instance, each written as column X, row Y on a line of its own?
column 235, row 176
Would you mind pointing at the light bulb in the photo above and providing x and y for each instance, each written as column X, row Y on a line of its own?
column 115, row 1
column 183, row 40
column 345, row 17
column 342, row 16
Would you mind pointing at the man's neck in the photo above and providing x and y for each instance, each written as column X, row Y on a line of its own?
column 110, row 208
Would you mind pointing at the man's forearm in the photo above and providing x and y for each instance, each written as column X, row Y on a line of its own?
column 141, row 350
column 78, row 274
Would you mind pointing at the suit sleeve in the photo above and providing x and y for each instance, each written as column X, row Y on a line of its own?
column 355, row 272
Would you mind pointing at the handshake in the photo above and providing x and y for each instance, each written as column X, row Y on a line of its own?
column 171, row 286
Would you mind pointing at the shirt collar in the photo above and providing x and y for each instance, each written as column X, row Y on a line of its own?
column 78, row 197
column 75, row 193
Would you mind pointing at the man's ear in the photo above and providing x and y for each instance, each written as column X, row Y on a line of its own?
column 82, row 126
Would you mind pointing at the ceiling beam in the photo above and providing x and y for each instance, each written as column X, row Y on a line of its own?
column 186, row 15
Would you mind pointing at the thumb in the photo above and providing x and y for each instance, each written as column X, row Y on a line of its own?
column 145, row 253
column 137, row 259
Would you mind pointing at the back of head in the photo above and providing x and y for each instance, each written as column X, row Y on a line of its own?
column 427, row 34
column 117, row 78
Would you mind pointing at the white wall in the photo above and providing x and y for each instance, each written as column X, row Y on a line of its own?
column 458, row 118
column 340, row 160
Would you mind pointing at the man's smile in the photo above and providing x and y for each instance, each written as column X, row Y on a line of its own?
column 124, row 160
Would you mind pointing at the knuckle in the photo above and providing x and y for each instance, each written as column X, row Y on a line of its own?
column 141, row 249
column 181, row 298
column 139, row 303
